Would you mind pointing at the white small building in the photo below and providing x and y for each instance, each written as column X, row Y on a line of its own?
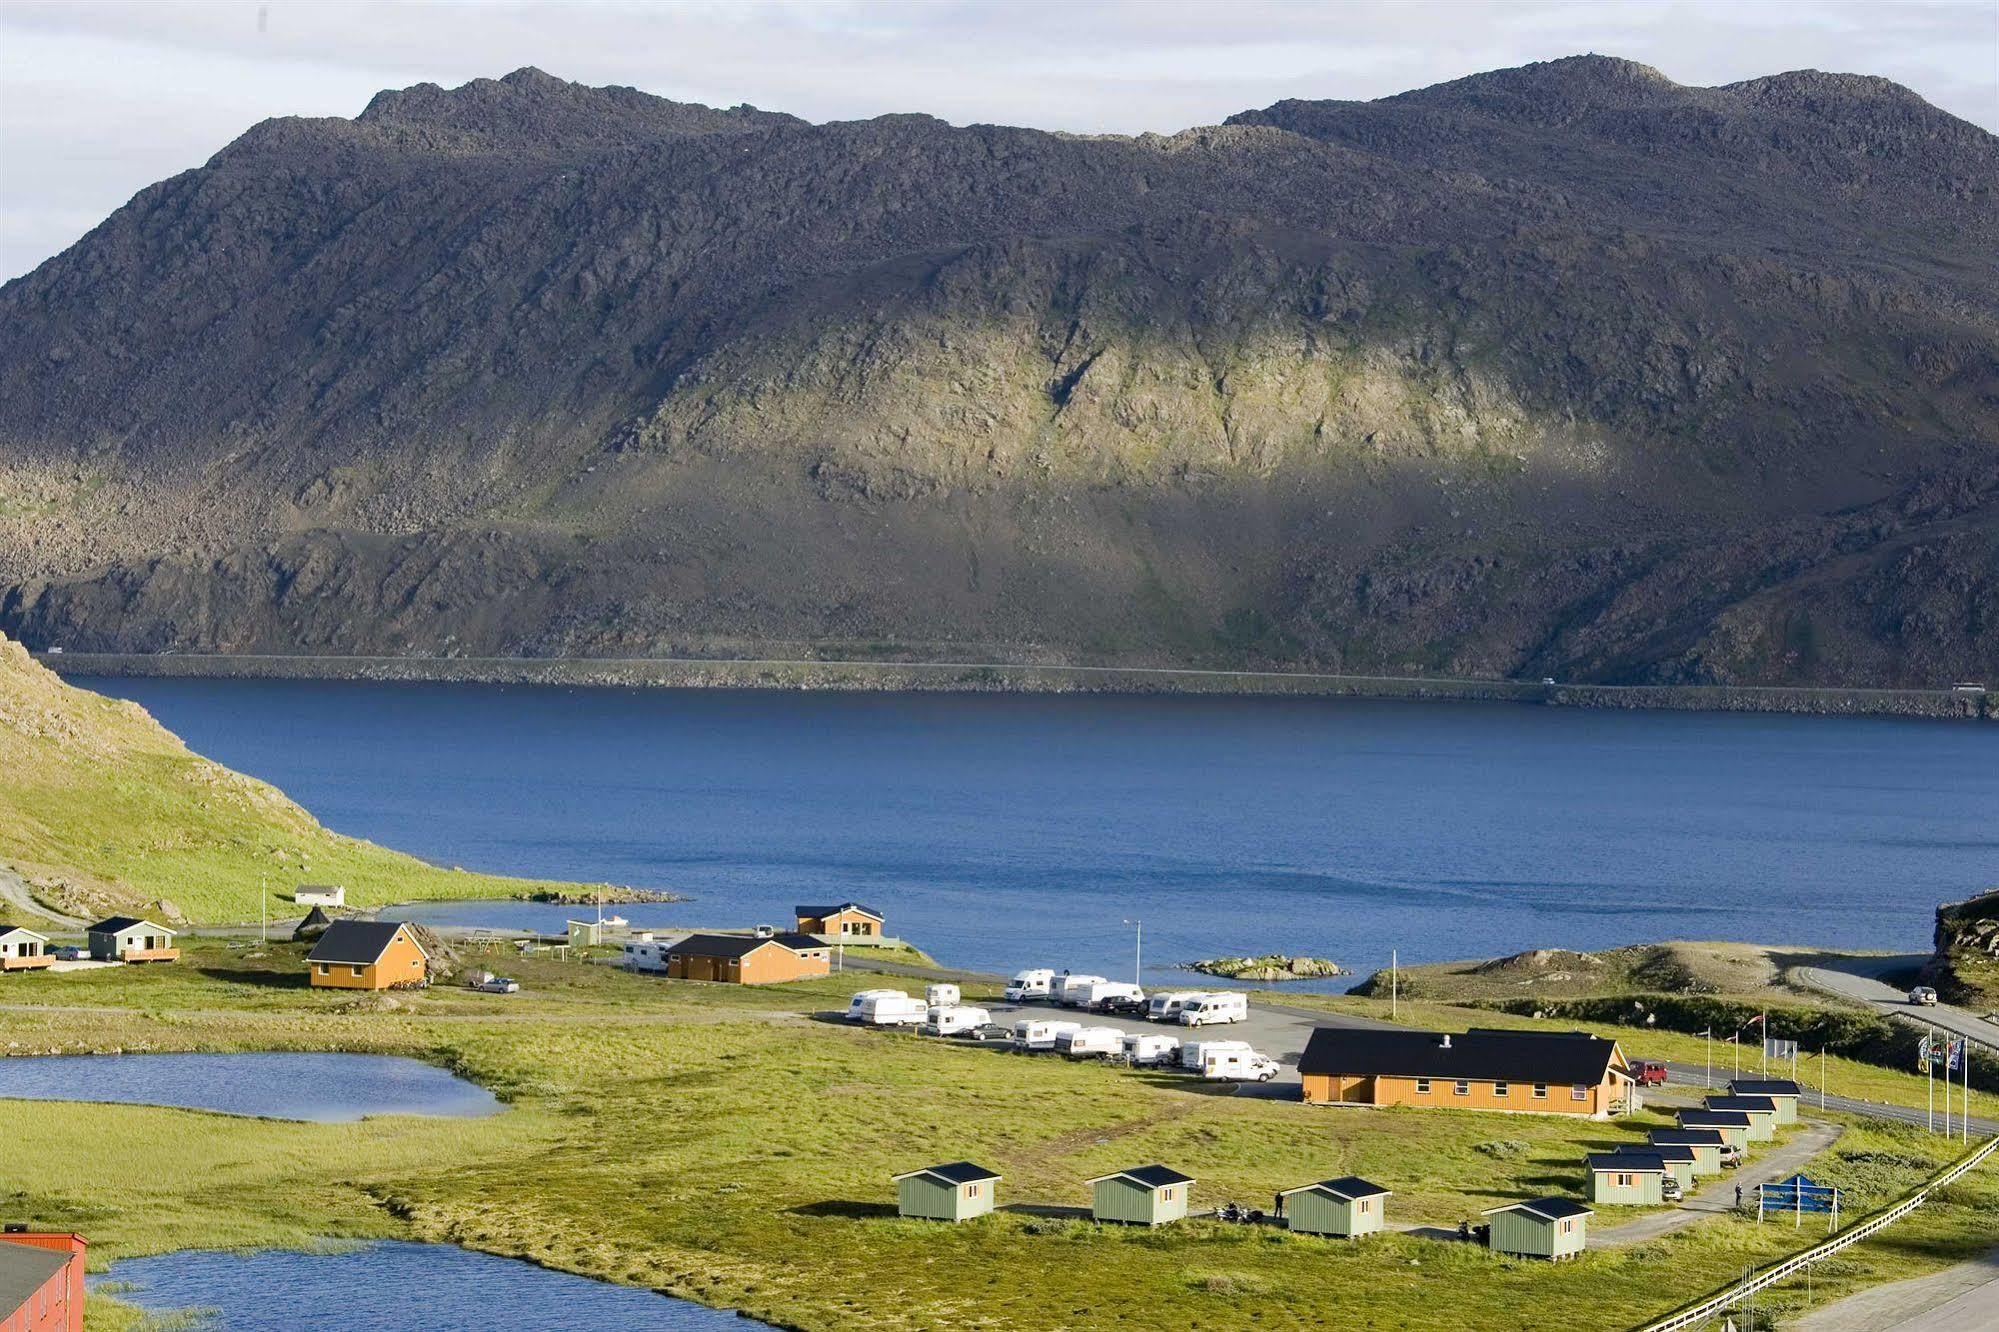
column 320, row 895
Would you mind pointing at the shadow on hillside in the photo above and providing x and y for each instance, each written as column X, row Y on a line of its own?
column 270, row 980
column 844, row 1207
column 1052, row 1211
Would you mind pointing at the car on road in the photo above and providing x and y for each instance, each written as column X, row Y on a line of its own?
column 1923, row 995
column 1124, row 1005
column 989, row 1031
column 497, row 985
column 1649, row 1073
column 71, row 953
column 1669, row 1189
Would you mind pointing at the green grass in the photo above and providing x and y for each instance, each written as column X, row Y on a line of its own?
column 720, row 1144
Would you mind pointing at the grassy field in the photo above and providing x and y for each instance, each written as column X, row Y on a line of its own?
column 722, row 1144
column 105, row 810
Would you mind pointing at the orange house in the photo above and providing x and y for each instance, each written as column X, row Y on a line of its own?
column 368, row 955
column 745, row 959
column 41, row 1281
column 1557, row 1073
column 848, row 918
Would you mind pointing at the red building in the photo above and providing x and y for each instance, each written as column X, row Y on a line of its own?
column 41, row 1282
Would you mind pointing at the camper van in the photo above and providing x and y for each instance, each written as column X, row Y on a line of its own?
column 1244, row 1065
column 950, row 1019
column 1040, row 1033
column 940, row 996
column 1194, row 1055
column 1219, row 1006
column 886, row 1008
column 1074, row 991
column 1166, row 1007
column 1032, row 984
column 1151, row 1049
column 1089, row 1042
column 1114, row 996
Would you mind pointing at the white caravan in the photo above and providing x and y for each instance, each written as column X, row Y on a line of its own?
column 1103, row 992
column 940, row 996
column 1074, row 991
column 1151, row 1049
column 1244, row 1065
column 1217, row 1006
column 1041, row 1033
column 886, row 1008
column 1085, row 1042
column 950, row 1019
column 1194, row 1055
column 1031, row 984
column 1166, row 1007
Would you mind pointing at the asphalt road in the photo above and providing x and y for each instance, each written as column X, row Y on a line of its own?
column 1964, row 1298
column 1689, row 1076
column 1716, row 1197
column 1860, row 980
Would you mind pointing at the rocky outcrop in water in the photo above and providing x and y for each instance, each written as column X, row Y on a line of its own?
column 1269, row 967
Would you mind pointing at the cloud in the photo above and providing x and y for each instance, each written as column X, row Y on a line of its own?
column 99, row 98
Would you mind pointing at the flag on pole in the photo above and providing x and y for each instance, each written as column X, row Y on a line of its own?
column 1731, row 1039
column 1754, row 1021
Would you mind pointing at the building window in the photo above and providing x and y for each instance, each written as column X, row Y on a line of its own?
column 1499, row 1088
column 357, row 970
column 1366, row 1204
column 1540, row 1091
column 1568, row 1226
column 1625, row 1181
column 1422, row 1086
column 325, row 970
column 1463, row 1088
column 1166, row 1195
column 1579, row 1092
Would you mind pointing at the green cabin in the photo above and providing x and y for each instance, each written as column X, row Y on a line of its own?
column 1626, row 1179
column 1679, row 1161
column 1782, row 1091
column 1149, row 1195
column 1544, row 1228
column 1705, row 1144
column 1762, row 1112
column 1347, row 1207
column 955, row 1191
column 1733, row 1125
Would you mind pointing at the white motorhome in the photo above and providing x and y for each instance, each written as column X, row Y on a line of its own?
column 1217, row 1006
column 886, row 1008
column 950, row 1019
column 1074, row 991
column 1031, row 984
column 1087, row 1042
column 1103, row 992
column 941, row 995
column 645, row 953
column 1194, row 1055
column 1151, row 1049
column 1041, row 1033
column 1166, row 1007
column 1244, row 1065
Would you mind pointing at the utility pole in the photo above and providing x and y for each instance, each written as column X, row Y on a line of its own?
column 1825, row 1075
column 1137, row 952
column 1394, row 986
column 1707, row 1059
column 1930, row 1078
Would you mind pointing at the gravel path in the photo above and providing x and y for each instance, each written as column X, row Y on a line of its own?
column 1964, row 1298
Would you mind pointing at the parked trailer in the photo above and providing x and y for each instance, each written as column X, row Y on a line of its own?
column 1103, row 993
column 1194, row 1055
column 1166, row 1007
column 860, row 1000
column 1220, row 1006
column 887, row 1008
column 942, row 995
column 1040, row 1033
column 1088, row 1042
column 1034, row 983
column 1147, row 1049
column 1244, row 1065
column 950, row 1019
column 1074, row 991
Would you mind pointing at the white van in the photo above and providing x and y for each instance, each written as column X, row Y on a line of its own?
column 1217, row 1006
column 1088, row 1042
column 1074, row 991
column 1100, row 995
column 940, row 996
column 950, row 1019
column 1166, row 1007
column 1194, row 1055
column 887, row 1008
column 1041, row 1033
column 1151, row 1049
column 1031, row 984
column 1244, row 1065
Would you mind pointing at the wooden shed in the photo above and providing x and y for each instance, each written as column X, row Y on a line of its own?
column 23, row 950
column 1733, row 1125
column 1762, row 1112
column 840, row 918
column 1679, row 1161
column 130, row 939
column 1626, row 1179
column 746, row 959
column 955, row 1191
column 1148, row 1195
column 368, row 955
column 1544, row 1228
column 1782, row 1091
column 320, row 895
column 1705, row 1144
column 1347, row 1207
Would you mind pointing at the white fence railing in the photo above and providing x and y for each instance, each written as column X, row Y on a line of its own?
column 1733, row 1296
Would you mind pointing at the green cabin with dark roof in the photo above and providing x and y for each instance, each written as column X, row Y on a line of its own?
column 1762, row 1112
column 954, row 1191
column 1705, row 1144
column 1553, row 1228
column 1783, row 1091
column 1347, row 1207
column 1148, row 1195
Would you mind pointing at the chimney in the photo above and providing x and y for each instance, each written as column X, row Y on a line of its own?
column 1444, row 1042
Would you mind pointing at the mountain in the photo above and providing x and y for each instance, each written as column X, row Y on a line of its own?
column 1565, row 370
column 104, row 811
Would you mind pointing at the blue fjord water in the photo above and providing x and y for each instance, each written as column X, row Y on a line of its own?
column 1006, row 830
column 323, row 1088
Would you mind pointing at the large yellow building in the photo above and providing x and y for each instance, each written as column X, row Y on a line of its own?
column 368, row 955
column 1560, row 1073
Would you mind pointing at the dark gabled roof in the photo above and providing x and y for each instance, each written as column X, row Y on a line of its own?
column 115, row 924
column 836, row 909
column 357, row 942
column 1690, row 1137
column 740, row 945
column 315, row 918
column 6, row 930
column 1637, row 1163
column 1348, row 1187
column 1151, row 1176
column 25, row 1269
column 1714, row 1119
column 1665, row 1151
column 1763, row 1087
column 1548, row 1209
column 953, row 1172
column 1482, row 1053
column 1760, row 1104
column 800, row 943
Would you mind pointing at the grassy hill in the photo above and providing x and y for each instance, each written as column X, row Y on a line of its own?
column 105, row 809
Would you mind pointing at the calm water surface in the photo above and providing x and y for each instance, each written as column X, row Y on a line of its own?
column 325, row 1088
column 390, row 1287
column 1009, row 830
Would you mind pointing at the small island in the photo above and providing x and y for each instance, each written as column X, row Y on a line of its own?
column 1269, row 967
column 608, row 894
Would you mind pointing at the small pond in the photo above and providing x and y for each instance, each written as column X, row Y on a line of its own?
column 324, row 1088
column 389, row 1287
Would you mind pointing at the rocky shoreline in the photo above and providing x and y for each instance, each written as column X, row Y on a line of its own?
column 1269, row 967
column 608, row 895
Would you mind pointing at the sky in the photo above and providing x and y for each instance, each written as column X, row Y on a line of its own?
column 99, row 98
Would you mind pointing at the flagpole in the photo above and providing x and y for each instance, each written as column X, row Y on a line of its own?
column 1707, row 1060
column 1763, row 1033
column 1930, row 1077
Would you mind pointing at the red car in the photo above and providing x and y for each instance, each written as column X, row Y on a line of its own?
column 1649, row 1072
